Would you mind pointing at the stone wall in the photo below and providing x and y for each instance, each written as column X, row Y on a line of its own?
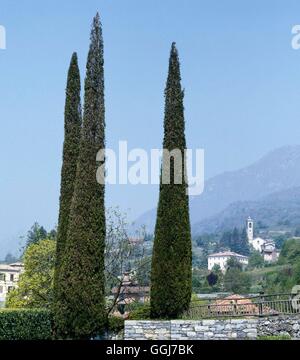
column 212, row 329
column 147, row 330
column 278, row 326
column 191, row 329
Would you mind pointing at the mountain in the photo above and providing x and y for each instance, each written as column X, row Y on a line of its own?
column 277, row 171
column 279, row 209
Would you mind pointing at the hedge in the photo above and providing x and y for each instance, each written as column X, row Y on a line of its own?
column 25, row 324
column 141, row 313
column 115, row 324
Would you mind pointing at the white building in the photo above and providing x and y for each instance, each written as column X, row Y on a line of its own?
column 222, row 258
column 258, row 244
column 9, row 276
column 269, row 251
column 267, row 247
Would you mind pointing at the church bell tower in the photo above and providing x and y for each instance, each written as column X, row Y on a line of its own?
column 249, row 227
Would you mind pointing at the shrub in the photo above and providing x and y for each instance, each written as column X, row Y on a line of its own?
column 141, row 313
column 25, row 324
column 115, row 324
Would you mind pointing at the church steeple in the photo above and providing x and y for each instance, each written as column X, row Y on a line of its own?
column 249, row 227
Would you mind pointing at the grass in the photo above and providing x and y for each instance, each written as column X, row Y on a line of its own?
column 275, row 337
column 266, row 270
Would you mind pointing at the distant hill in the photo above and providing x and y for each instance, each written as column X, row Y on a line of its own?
column 277, row 171
column 279, row 210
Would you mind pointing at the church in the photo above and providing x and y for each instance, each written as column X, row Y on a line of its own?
column 266, row 247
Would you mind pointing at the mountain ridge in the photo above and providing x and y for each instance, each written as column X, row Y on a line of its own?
column 276, row 171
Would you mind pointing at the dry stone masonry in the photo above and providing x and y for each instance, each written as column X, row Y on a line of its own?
column 225, row 329
column 280, row 326
column 191, row 330
column 147, row 330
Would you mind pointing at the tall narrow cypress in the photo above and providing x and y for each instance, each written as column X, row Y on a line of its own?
column 81, row 314
column 72, row 126
column 172, row 255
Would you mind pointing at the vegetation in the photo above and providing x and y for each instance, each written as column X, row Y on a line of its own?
column 122, row 256
column 290, row 252
column 115, row 324
column 236, row 241
column 35, row 286
column 9, row 259
column 281, row 276
column 25, row 324
column 69, row 165
column 275, row 337
column 235, row 280
column 256, row 260
column 142, row 312
column 81, row 309
column 37, row 233
column 171, row 277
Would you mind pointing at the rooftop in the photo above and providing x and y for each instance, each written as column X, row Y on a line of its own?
column 16, row 267
column 227, row 253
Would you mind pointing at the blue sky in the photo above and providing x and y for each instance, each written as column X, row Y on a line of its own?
column 240, row 74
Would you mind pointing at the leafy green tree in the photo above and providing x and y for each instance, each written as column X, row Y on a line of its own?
column 236, row 281
column 171, row 273
column 256, row 260
column 196, row 280
column 35, row 286
column 243, row 246
column 143, row 271
column 290, row 252
column 297, row 231
column 68, row 172
column 225, row 241
column 212, row 278
column 280, row 240
column 233, row 263
column 35, row 234
column 81, row 311
column 235, row 241
column 296, row 273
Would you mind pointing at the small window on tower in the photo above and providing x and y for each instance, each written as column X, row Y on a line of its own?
column 250, row 225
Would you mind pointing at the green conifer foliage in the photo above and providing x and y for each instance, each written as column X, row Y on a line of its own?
column 72, row 126
column 171, row 274
column 82, row 310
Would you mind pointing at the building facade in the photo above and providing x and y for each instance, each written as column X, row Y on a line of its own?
column 222, row 258
column 265, row 247
column 9, row 277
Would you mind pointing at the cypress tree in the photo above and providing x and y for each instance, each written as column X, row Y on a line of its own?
column 235, row 240
column 72, row 126
column 244, row 243
column 171, row 284
column 82, row 313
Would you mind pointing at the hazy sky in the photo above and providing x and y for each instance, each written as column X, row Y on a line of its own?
column 240, row 74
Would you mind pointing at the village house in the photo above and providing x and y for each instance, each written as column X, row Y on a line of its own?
column 266, row 247
column 9, row 276
column 222, row 258
column 129, row 292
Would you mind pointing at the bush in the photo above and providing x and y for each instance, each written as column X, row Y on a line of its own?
column 141, row 313
column 25, row 324
column 115, row 324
